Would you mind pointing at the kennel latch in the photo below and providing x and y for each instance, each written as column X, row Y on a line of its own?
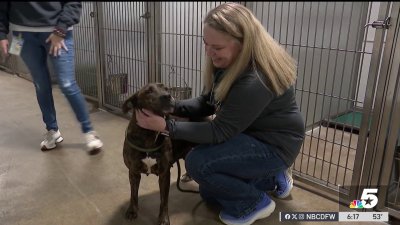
column 380, row 24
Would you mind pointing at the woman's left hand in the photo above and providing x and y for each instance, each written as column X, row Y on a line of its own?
column 148, row 120
column 56, row 43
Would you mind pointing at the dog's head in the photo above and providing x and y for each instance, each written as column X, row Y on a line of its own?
column 153, row 96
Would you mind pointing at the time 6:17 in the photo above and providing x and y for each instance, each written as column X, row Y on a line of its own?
column 353, row 216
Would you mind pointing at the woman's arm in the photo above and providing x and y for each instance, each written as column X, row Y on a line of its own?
column 245, row 102
column 195, row 107
column 69, row 16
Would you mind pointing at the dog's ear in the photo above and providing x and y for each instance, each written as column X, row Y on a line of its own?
column 130, row 103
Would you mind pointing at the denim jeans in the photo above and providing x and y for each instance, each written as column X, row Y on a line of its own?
column 234, row 173
column 34, row 53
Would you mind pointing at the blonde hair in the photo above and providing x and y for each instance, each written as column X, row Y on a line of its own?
column 259, row 49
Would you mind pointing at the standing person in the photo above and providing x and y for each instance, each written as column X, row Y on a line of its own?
column 258, row 129
column 40, row 29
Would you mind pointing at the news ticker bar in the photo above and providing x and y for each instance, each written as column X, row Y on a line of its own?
column 334, row 216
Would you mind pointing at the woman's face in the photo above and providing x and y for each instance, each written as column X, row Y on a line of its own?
column 220, row 47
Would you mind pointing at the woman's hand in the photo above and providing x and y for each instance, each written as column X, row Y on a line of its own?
column 148, row 120
column 56, row 44
column 4, row 47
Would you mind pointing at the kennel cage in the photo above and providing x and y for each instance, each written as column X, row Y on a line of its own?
column 117, row 86
column 181, row 93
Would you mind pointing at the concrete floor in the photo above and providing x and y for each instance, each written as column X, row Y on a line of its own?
column 66, row 186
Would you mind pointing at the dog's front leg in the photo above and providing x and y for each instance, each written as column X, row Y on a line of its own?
column 164, row 183
column 134, row 179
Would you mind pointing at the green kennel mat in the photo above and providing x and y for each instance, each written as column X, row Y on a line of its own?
column 350, row 122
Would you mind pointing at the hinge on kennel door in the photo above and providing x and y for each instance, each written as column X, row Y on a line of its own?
column 380, row 24
column 146, row 15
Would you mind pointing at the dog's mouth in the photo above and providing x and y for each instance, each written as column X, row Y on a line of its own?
column 168, row 111
column 169, row 107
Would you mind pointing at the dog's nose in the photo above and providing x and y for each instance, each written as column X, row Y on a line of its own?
column 166, row 97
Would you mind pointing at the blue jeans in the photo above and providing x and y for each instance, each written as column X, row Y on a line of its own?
column 34, row 53
column 235, row 173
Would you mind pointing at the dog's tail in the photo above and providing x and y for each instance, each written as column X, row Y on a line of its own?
column 178, row 181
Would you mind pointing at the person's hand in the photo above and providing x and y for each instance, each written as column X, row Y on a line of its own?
column 148, row 120
column 4, row 47
column 56, row 44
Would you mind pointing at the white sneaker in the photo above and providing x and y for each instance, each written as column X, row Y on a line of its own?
column 186, row 178
column 93, row 143
column 52, row 137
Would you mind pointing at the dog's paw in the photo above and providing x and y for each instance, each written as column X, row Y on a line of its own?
column 130, row 214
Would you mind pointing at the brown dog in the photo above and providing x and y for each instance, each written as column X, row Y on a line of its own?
column 150, row 152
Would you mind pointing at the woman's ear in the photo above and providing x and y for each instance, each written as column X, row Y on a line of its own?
column 130, row 103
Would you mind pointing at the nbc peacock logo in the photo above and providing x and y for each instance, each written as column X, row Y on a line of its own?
column 356, row 204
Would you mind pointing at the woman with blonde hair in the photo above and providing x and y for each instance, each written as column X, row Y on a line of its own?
column 257, row 131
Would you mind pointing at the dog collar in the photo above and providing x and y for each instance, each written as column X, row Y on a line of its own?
column 147, row 150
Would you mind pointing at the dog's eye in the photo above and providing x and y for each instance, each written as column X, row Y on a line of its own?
column 166, row 88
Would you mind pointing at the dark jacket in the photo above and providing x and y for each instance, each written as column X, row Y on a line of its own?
column 249, row 108
column 39, row 14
